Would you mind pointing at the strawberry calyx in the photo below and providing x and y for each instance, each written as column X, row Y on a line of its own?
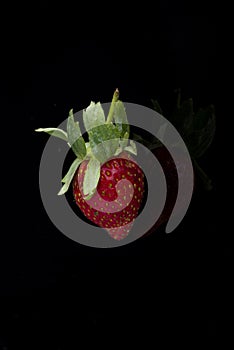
column 107, row 137
column 197, row 128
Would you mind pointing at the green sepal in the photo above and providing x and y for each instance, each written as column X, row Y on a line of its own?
column 118, row 151
column 69, row 176
column 139, row 139
column 93, row 116
column 182, row 117
column 104, row 141
column 61, row 134
column 201, row 137
column 120, row 118
column 123, row 146
column 75, row 139
column 131, row 148
column 91, row 178
column 196, row 129
column 203, row 117
column 187, row 116
column 151, row 143
column 124, row 141
column 156, row 106
column 162, row 131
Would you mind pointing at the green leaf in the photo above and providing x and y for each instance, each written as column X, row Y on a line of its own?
column 118, row 151
column 104, row 141
column 187, row 115
column 131, row 148
column 124, row 141
column 69, row 176
column 54, row 132
column 151, row 142
column 156, row 106
column 75, row 139
column 93, row 116
column 120, row 118
column 162, row 130
column 200, row 139
column 91, row 177
column 183, row 116
column 139, row 138
column 203, row 116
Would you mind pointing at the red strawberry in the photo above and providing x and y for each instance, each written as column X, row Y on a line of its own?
column 118, row 198
column 108, row 185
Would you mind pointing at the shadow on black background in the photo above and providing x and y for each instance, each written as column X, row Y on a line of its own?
column 54, row 290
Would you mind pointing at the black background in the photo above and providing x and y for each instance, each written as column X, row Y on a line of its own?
column 53, row 290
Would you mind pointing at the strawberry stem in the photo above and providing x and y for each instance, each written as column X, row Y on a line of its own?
column 111, row 110
column 178, row 101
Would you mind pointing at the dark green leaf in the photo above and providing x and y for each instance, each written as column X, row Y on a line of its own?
column 183, row 116
column 202, row 117
column 151, row 142
column 187, row 116
column 156, row 106
column 202, row 136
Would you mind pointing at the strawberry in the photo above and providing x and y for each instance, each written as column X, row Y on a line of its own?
column 197, row 130
column 108, row 184
column 118, row 198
